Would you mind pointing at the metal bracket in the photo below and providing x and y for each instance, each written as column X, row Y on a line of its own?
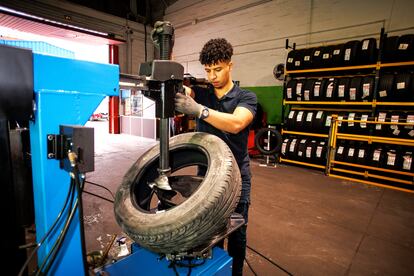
column 74, row 138
column 57, row 145
column 204, row 251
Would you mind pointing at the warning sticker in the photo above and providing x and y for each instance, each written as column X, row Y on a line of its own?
column 376, row 155
column 329, row 90
column 325, row 56
column 299, row 88
column 383, row 93
column 347, row 55
column 351, row 152
column 381, row 118
column 391, row 159
column 306, row 58
column 316, row 90
column 308, row 152
column 365, row 45
column 328, row 121
column 340, row 118
column 306, row 95
column 365, row 90
column 340, row 150
column 351, row 117
column 319, row 151
column 316, row 54
column 292, row 145
column 403, row 46
column 319, row 114
column 394, row 119
column 291, row 113
column 337, row 52
column 309, row 117
column 284, row 148
column 299, row 116
column 401, row 85
column 289, row 93
column 410, row 119
column 408, row 160
column 364, row 117
column 361, row 153
column 341, row 91
column 352, row 93
column 290, row 60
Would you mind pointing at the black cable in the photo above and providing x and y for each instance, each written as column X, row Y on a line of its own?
column 189, row 267
column 78, row 205
column 70, row 192
column 172, row 265
column 52, row 253
column 103, row 187
column 269, row 260
column 251, row 268
column 101, row 197
column 79, row 186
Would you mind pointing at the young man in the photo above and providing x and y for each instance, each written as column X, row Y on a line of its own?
column 226, row 111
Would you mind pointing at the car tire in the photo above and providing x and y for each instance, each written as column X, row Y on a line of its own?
column 276, row 141
column 209, row 200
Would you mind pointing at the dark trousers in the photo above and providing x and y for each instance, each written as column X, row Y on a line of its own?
column 237, row 241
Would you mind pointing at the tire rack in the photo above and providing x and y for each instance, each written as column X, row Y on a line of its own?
column 331, row 162
column 334, row 135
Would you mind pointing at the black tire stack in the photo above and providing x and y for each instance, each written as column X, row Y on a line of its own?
column 317, row 97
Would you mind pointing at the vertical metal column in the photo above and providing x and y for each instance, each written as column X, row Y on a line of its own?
column 113, row 114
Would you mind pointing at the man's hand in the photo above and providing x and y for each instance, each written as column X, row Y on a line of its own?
column 186, row 104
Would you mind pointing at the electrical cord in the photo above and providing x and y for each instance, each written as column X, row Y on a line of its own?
column 101, row 197
column 39, row 244
column 269, row 260
column 58, row 243
column 103, row 187
column 75, row 175
column 251, row 268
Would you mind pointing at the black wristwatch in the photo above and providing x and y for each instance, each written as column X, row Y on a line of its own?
column 204, row 113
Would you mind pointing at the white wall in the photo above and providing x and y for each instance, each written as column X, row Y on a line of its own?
column 258, row 29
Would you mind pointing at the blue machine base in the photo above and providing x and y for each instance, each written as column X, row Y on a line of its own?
column 144, row 262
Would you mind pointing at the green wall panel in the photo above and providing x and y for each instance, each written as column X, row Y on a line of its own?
column 271, row 99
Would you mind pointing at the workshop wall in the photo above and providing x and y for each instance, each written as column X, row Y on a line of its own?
column 258, row 29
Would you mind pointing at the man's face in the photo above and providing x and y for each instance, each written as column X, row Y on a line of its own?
column 219, row 73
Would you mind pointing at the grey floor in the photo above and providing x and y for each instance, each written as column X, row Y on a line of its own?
column 300, row 220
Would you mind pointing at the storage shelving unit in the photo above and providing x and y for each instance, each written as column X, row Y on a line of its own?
column 379, row 176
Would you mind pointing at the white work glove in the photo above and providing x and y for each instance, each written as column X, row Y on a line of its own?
column 187, row 105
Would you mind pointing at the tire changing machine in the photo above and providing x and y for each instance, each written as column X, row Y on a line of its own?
column 59, row 95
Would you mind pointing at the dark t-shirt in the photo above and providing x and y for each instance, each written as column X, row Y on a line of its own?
column 237, row 142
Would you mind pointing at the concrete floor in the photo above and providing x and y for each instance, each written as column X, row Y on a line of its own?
column 303, row 221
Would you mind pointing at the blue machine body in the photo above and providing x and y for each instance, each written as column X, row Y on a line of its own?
column 67, row 92
column 145, row 263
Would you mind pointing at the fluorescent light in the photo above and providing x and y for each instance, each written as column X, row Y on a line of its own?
column 50, row 21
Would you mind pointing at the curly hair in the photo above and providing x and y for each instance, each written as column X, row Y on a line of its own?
column 216, row 50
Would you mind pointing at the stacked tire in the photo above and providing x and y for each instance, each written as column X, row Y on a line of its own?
column 351, row 53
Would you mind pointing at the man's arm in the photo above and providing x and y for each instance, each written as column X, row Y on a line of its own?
column 232, row 123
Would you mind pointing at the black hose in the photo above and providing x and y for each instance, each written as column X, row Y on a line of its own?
column 269, row 260
column 70, row 192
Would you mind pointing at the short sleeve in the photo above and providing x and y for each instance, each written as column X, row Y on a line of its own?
column 248, row 100
column 200, row 94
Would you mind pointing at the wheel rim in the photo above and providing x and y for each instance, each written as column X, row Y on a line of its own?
column 184, row 180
